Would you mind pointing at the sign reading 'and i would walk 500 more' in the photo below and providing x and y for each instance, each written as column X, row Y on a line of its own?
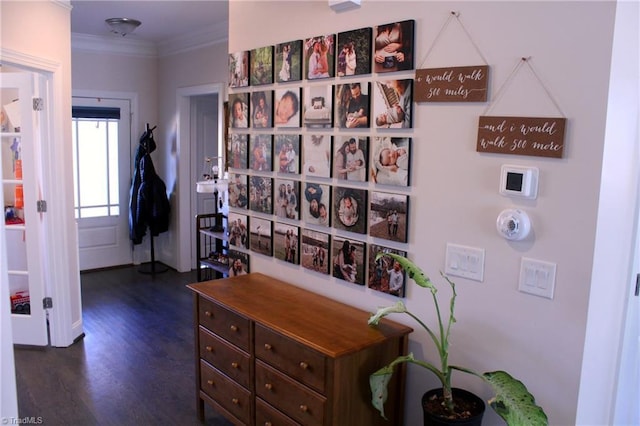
column 455, row 84
column 536, row 136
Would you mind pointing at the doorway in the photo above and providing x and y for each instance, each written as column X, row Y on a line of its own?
column 102, row 175
column 200, row 132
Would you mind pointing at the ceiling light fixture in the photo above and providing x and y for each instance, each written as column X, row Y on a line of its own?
column 122, row 26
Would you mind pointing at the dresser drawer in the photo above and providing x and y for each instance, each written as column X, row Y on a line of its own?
column 225, row 323
column 266, row 415
column 226, row 357
column 233, row 397
column 293, row 358
column 295, row 400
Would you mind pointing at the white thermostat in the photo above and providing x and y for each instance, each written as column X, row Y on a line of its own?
column 519, row 181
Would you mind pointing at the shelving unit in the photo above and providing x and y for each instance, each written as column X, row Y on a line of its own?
column 212, row 247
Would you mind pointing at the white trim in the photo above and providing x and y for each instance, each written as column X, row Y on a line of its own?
column 132, row 47
column 111, row 44
column 184, row 193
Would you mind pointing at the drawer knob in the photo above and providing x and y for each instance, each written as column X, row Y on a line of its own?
column 268, row 386
column 210, row 382
column 235, row 401
column 234, row 328
column 267, row 346
column 234, row 365
column 304, row 365
column 268, row 424
column 208, row 314
column 209, row 349
column 304, row 408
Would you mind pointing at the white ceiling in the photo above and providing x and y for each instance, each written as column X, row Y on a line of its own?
column 162, row 20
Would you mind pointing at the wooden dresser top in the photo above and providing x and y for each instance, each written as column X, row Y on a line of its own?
column 328, row 326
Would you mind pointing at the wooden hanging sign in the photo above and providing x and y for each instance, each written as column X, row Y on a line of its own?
column 456, row 84
column 535, row 136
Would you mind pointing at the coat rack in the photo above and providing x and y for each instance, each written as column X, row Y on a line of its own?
column 154, row 192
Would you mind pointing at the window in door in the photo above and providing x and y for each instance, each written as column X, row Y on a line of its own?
column 95, row 162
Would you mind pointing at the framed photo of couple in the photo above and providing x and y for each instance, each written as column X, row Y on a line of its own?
column 319, row 57
column 315, row 251
column 348, row 258
column 385, row 274
column 288, row 61
column 388, row 216
column 285, row 242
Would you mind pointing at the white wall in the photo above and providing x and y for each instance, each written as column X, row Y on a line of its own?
column 180, row 72
column 454, row 195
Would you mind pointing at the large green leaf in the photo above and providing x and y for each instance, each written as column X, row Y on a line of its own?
column 513, row 402
column 413, row 270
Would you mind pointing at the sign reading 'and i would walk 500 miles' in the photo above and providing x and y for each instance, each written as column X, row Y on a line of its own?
column 536, row 136
column 455, row 84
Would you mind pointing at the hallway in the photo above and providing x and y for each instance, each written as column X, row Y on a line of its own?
column 135, row 365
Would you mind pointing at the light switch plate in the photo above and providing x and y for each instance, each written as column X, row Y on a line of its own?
column 537, row 277
column 465, row 261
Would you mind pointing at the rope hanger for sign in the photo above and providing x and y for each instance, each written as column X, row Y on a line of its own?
column 456, row 15
column 502, row 90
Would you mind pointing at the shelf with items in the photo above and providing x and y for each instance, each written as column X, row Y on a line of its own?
column 212, row 246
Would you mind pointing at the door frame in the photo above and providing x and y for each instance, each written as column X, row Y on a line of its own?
column 131, row 98
column 62, row 278
column 185, row 196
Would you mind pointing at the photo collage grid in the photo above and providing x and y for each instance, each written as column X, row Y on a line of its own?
column 319, row 152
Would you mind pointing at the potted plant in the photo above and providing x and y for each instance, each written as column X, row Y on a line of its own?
column 512, row 400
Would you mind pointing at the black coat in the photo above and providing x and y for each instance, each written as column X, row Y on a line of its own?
column 148, row 202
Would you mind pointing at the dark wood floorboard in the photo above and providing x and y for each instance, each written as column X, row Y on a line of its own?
column 135, row 365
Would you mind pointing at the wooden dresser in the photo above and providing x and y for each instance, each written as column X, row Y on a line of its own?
column 269, row 353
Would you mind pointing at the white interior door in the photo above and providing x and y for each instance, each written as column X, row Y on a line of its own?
column 102, row 178
column 22, row 189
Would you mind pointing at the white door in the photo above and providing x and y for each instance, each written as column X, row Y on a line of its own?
column 22, row 189
column 102, row 178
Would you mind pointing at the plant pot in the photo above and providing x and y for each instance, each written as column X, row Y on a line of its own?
column 433, row 416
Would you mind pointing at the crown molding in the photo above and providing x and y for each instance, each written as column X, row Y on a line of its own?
column 126, row 46
column 112, row 44
column 195, row 40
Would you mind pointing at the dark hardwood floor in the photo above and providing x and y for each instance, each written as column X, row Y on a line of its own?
column 135, row 365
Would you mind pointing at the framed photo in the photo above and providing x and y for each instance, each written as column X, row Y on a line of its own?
column 239, row 111
column 239, row 69
column 316, row 204
column 314, row 253
column 348, row 258
column 352, row 105
column 391, row 160
column 316, row 155
column 350, row 158
column 318, row 106
column 287, row 158
column 392, row 104
column 385, row 274
column 388, row 216
column 261, row 239
column 319, row 57
column 393, row 46
column 238, row 263
column 262, row 66
column 354, row 52
column 261, row 194
column 350, row 209
column 238, row 230
column 261, row 147
column 238, row 151
column 262, row 109
column 287, row 108
column 285, row 242
column 288, row 61
column 238, row 191
column 287, row 194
